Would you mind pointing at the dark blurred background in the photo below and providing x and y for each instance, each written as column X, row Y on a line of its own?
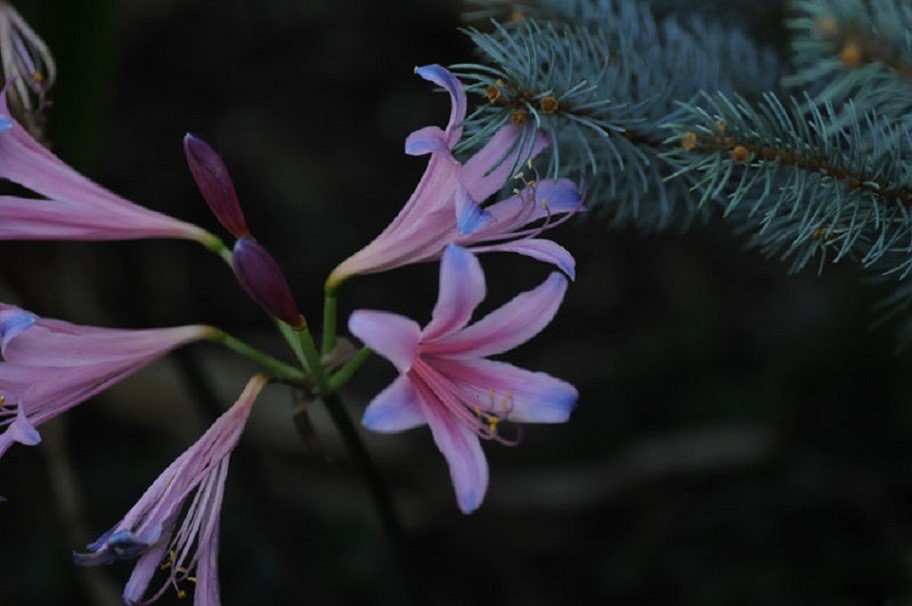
column 742, row 436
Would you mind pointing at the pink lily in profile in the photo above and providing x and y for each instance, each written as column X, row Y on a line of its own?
column 446, row 207
column 75, row 208
column 188, row 552
column 50, row 366
column 446, row 382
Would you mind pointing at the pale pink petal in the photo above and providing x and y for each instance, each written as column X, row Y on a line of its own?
column 462, row 288
column 516, row 394
column 470, row 217
column 40, row 346
column 27, row 219
column 390, row 335
column 550, row 198
column 442, row 77
column 547, row 251
column 22, row 431
column 505, row 328
column 485, row 173
column 461, row 448
column 427, row 140
column 394, row 409
column 146, row 567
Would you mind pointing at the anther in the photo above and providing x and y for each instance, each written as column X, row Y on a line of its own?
column 493, row 93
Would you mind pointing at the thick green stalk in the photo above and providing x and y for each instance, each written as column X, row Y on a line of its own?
column 312, row 358
column 388, row 517
column 329, row 321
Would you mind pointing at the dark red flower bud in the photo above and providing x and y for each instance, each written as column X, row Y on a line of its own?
column 214, row 182
column 262, row 279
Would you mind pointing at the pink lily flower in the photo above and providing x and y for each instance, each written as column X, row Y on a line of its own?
column 446, row 206
column 446, row 382
column 50, row 366
column 75, row 208
column 148, row 529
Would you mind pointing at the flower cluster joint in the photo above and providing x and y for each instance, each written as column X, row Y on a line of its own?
column 446, row 382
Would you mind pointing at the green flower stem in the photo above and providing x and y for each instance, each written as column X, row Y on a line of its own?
column 344, row 374
column 276, row 369
column 294, row 341
column 388, row 517
column 329, row 321
column 312, row 358
column 215, row 244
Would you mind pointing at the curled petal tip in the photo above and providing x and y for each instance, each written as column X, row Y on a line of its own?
column 262, row 279
column 214, row 182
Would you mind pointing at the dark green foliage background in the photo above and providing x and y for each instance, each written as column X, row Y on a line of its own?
column 743, row 436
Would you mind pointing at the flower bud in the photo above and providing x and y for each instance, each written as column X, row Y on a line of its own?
column 262, row 279
column 214, row 182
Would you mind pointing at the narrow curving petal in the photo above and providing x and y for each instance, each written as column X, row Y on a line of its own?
column 442, row 77
column 394, row 409
column 462, row 288
column 513, row 393
column 462, row 450
column 427, row 140
column 547, row 251
column 505, row 328
column 392, row 336
column 485, row 173
column 470, row 217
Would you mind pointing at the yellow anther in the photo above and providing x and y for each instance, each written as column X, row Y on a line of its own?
column 515, row 191
column 529, row 164
column 477, row 410
column 2, row 401
column 38, row 77
column 181, row 594
column 544, row 203
column 191, row 579
column 519, row 175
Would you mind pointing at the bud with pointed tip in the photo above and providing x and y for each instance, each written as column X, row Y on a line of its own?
column 261, row 278
column 214, row 182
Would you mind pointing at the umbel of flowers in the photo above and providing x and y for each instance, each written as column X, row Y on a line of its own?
column 445, row 379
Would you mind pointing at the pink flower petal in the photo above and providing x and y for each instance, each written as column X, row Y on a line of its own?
column 427, row 140
column 547, row 251
column 470, row 217
column 390, row 335
column 462, row 450
column 518, row 394
column 462, row 288
column 505, row 328
column 485, row 173
column 394, row 409
column 442, row 77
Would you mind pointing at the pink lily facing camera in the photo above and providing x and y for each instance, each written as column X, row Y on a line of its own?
column 445, row 380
